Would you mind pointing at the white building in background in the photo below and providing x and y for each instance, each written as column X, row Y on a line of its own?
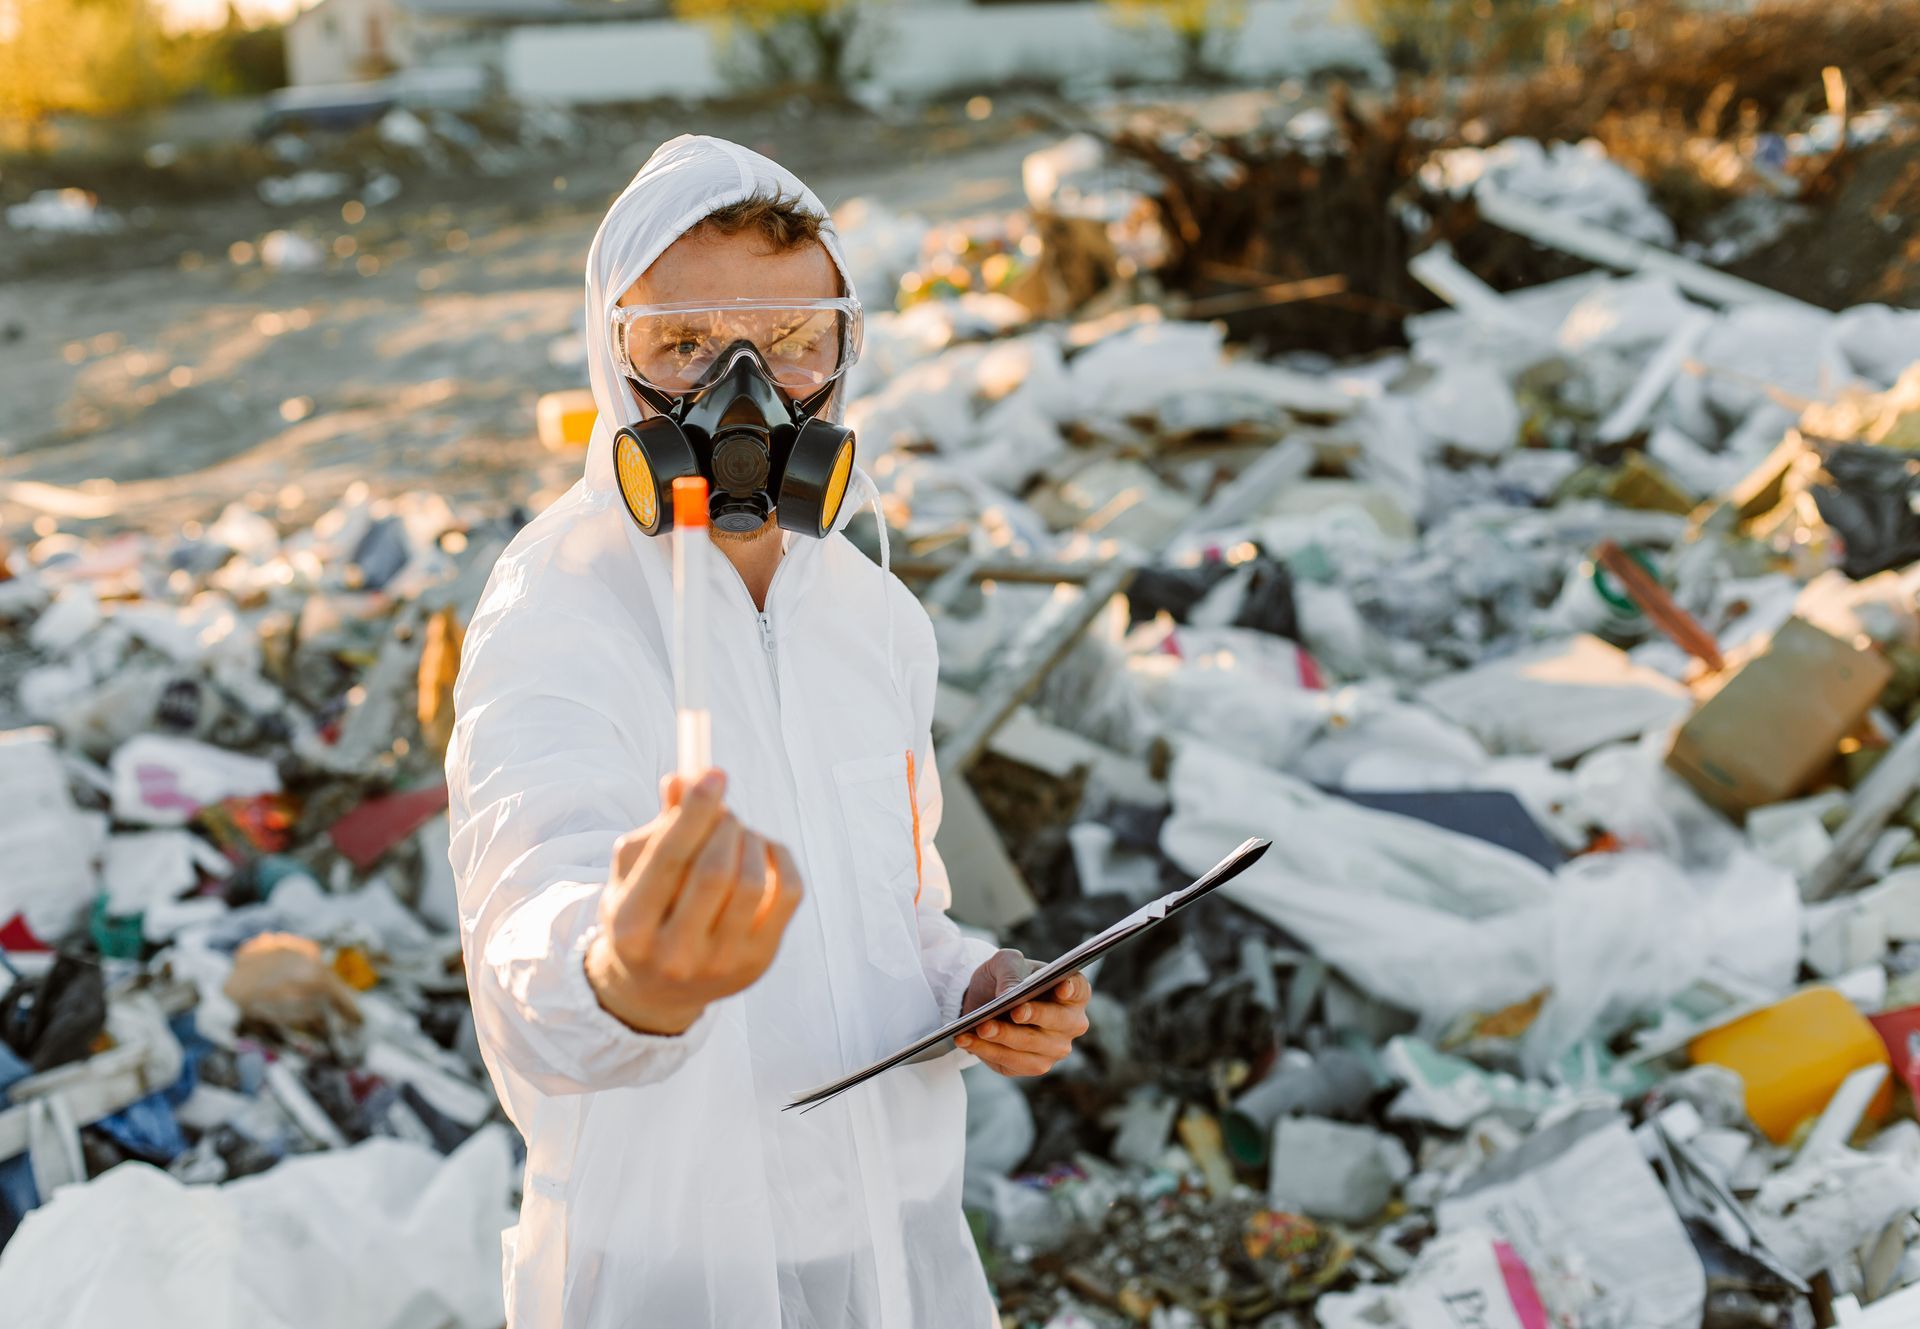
column 345, row 41
column 923, row 47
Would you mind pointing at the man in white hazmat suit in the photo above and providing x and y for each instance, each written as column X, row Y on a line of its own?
column 650, row 979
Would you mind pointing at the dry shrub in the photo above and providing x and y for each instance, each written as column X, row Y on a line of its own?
column 1252, row 210
column 1714, row 72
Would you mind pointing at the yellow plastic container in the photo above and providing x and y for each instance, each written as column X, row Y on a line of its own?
column 1792, row 1056
column 565, row 419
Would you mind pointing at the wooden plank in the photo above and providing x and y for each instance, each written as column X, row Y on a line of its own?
column 1660, row 608
column 988, row 890
column 1879, row 796
column 92, row 1089
column 1026, row 738
column 1609, row 249
column 1022, row 678
column 1011, row 570
column 1443, row 274
column 1626, row 418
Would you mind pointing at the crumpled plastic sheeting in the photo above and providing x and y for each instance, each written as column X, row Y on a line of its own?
column 1575, row 180
column 386, row 1235
column 1469, row 407
column 1628, row 789
column 1561, row 699
column 1468, row 1271
column 943, row 498
column 1633, row 313
column 1236, row 687
column 1374, row 741
column 1132, row 372
column 1440, row 924
column 891, row 342
column 930, row 402
column 1000, row 1132
column 1753, row 351
column 1879, row 342
column 1626, row 932
column 1395, row 903
column 1590, row 1220
column 1816, row 1212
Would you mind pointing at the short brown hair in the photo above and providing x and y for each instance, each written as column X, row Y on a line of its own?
column 782, row 222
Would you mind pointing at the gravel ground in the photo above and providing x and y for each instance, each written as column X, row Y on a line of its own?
column 153, row 376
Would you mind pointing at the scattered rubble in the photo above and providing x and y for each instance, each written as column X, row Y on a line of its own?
column 1585, row 542
column 1547, row 597
column 225, row 725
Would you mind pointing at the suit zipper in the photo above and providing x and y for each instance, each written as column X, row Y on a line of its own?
column 766, row 643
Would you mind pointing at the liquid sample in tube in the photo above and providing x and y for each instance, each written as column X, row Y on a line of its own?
column 692, row 550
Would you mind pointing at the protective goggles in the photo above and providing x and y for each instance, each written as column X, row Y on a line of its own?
column 806, row 344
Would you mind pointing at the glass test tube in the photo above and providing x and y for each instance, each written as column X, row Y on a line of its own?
column 692, row 551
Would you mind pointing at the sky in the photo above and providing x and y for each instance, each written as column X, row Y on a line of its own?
column 180, row 14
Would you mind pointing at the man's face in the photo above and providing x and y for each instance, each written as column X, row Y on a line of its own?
column 706, row 266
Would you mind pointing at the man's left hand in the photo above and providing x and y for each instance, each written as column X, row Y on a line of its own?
column 1031, row 1037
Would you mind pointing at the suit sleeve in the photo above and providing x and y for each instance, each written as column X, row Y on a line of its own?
column 542, row 780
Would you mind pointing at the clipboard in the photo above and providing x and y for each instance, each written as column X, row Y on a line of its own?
column 1143, row 919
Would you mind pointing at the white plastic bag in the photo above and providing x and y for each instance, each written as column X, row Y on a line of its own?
column 163, row 781
column 1402, row 907
column 1442, row 924
column 385, row 1235
column 45, row 841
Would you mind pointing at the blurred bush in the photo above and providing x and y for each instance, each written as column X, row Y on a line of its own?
column 1199, row 28
column 1459, row 36
column 1714, row 71
column 244, row 61
column 110, row 59
column 77, row 57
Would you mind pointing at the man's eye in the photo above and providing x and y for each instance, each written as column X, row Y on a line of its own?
column 797, row 347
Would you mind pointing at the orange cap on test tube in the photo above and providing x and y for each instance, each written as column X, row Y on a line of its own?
column 689, row 501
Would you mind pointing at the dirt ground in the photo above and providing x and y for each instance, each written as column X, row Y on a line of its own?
column 149, row 378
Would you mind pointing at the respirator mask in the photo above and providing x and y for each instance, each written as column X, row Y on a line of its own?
column 736, row 387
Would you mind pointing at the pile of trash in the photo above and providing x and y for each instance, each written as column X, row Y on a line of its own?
column 1781, row 140
column 1569, row 653
column 1562, row 635
column 227, row 927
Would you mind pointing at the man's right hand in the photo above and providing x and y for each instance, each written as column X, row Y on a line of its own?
column 693, row 910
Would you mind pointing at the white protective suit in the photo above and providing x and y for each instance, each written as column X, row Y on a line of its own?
column 664, row 1186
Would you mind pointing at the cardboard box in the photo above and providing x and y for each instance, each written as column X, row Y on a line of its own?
column 1777, row 719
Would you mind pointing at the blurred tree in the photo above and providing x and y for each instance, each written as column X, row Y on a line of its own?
column 242, row 60
column 228, row 61
column 1200, row 28
column 811, row 42
column 85, row 57
column 1470, row 36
